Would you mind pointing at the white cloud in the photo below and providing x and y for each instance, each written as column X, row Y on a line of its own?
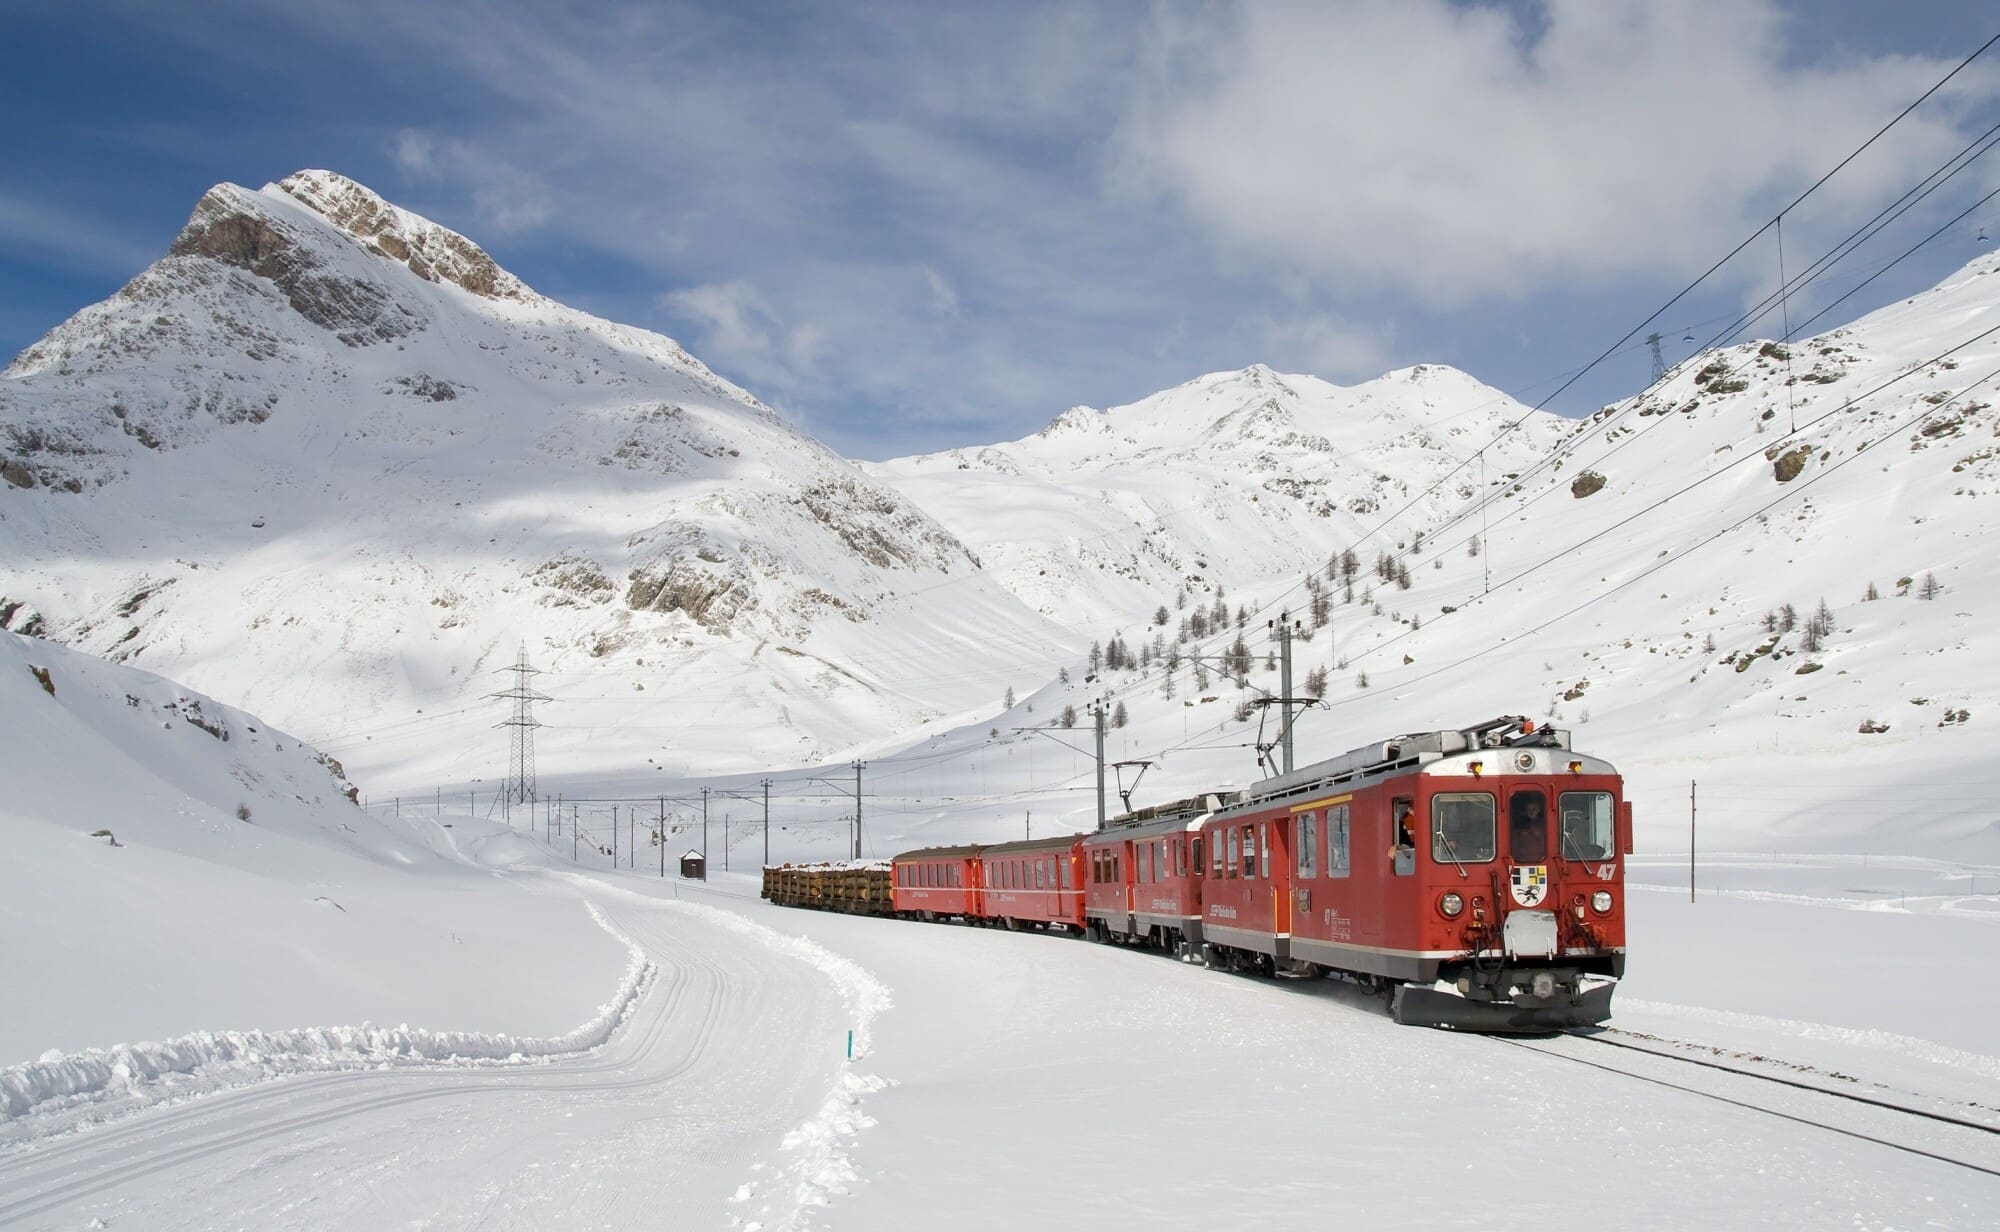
column 737, row 327
column 504, row 198
column 1325, row 346
column 1453, row 152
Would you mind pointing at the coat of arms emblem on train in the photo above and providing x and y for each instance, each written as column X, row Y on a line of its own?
column 1531, row 884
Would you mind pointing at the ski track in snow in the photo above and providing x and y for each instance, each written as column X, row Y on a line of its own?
column 60, row 1091
column 816, row 1166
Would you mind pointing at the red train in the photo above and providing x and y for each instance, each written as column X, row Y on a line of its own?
column 1487, row 859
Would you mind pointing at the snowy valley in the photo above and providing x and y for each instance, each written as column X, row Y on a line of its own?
column 330, row 465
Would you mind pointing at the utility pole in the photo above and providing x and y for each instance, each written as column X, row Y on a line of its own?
column 704, row 825
column 857, row 808
column 725, row 842
column 663, row 836
column 1097, row 716
column 1284, row 628
column 521, row 742
column 1690, row 840
column 572, row 834
column 767, row 823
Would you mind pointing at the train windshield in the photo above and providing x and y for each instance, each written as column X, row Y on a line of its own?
column 1589, row 825
column 1462, row 827
column 1528, row 827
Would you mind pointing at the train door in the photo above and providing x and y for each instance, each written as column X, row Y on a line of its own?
column 1278, row 867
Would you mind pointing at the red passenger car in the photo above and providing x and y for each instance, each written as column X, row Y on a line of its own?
column 1489, row 858
column 1033, row 883
column 1143, row 875
column 937, row 882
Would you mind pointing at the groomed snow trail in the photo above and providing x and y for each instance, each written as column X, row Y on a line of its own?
column 723, row 1099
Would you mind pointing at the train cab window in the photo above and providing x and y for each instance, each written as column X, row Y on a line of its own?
column 1527, row 827
column 1143, row 856
column 1068, row 874
column 1304, row 833
column 1195, row 855
column 1337, row 841
column 1462, row 827
column 1249, row 851
column 1264, row 851
column 1589, row 829
column 1181, row 857
column 1235, row 848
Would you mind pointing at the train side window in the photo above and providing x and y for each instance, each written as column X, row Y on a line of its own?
column 1194, row 855
column 1304, row 834
column 1589, row 828
column 1337, row 833
column 1264, row 851
column 1462, row 827
column 1068, row 873
column 1216, row 854
column 1235, row 850
column 1181, row 857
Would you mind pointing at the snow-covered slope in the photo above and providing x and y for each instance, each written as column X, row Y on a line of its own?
column 1633, row 585
column 1235, row 478
column 175, row 864
column 328, row 460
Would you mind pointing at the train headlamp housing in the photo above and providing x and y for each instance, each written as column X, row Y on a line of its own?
column 1451, row 904
column 1600, row 902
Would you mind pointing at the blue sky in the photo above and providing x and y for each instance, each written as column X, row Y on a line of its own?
column 913, row 226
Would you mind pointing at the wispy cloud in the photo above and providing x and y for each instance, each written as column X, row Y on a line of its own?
column 1449, row 152
column 64, row 236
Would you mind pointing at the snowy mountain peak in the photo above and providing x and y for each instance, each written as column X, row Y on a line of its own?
column 430, row 251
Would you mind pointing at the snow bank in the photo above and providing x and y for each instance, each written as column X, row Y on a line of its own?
column 132, row 1076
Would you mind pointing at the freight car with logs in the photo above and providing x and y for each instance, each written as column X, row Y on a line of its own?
column 1474, row 875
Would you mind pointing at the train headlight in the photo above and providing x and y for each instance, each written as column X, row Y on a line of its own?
column 1600, row 902
column 1451, row 904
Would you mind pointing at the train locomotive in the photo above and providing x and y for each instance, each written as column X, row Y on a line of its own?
column 1474, row 875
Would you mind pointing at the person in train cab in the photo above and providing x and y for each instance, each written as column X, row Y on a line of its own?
column 1405, row 843
column 1528, row 829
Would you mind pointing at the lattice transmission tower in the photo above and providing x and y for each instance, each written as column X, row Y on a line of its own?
column 521, row 751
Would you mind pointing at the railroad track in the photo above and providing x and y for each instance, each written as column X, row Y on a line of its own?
column 1601, row 1038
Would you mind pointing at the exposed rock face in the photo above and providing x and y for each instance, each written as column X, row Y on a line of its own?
column 433, row 253
column 1586, row 484
column 1786, row 466
column 230, row 226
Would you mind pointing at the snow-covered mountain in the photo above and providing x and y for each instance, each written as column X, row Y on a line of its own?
column 328, row 460
column 1235, row 478
column 1655, row 581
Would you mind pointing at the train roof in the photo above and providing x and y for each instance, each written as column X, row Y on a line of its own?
column 1168, row 818
column 1029, row 846
column 1530, row 749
